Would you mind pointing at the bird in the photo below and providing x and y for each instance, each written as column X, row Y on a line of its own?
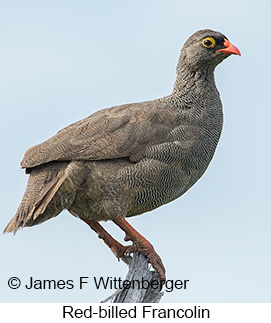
column 129, row 159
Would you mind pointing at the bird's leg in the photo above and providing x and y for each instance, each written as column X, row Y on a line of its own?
column 142, row 245
column 117, row 248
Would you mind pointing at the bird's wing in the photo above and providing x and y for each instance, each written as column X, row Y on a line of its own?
column 121, row 131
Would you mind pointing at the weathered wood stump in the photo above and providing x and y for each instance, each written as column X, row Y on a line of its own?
column 144, row 284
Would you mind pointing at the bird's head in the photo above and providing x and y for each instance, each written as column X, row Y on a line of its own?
column 205, row 49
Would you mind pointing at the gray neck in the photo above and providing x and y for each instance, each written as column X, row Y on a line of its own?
column 194, row 83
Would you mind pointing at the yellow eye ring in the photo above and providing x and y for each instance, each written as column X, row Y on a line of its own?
column 208, row 42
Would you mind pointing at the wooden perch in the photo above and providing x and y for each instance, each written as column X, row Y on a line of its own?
column 144, row 283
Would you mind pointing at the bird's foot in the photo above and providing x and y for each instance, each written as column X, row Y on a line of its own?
column 142, row 245
column 121, row 251
column 146, row 248
column 139, row 244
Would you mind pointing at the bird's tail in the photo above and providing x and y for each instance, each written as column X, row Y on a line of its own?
column 42, row 199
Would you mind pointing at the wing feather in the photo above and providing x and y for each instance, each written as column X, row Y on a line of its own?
column 117, row 132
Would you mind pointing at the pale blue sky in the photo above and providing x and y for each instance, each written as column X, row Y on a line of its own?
column 62, row 60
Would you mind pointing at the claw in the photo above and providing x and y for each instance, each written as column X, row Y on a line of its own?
column 142, row 245
column 139, row 244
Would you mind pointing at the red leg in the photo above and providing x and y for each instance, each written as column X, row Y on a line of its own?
column 142, row 245
column 118, row 249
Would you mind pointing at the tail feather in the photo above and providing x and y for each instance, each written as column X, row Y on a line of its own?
column 43, row 202
column 40, row 201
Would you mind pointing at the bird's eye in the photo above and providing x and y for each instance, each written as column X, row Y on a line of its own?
column 208, row 42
